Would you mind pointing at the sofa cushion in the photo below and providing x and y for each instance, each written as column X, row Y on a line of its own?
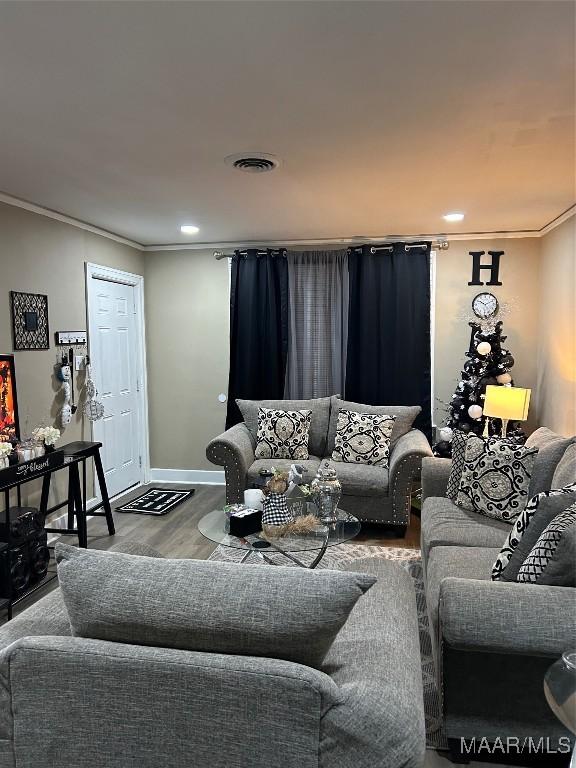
column 362, row 479
column 461, row 562
column 445, row 524
column 565, row 472
column 551, row 448
column 310, row 468
column 199, row 605
column 282, row 434
column 405, row 415
column 527, row 528
column 319, row 406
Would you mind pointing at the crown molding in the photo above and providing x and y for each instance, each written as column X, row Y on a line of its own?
column 567, row 214
column 16, row 202
column 342, row 241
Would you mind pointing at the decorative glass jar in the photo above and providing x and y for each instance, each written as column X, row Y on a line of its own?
column 326, row 492
column 560, row 692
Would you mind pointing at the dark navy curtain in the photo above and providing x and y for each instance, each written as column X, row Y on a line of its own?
column 389, row 328
column 258, row 329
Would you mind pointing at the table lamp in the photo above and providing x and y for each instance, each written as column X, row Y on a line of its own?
column 506, row 403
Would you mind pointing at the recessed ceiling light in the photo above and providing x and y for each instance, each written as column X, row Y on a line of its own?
column 453, row 216
column 189, row 229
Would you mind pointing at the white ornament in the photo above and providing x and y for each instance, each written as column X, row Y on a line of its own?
column 446, row 434
column 483, row 348
column 475, row 412
column 504, row 378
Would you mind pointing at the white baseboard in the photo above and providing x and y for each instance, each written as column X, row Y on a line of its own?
column 194, row 476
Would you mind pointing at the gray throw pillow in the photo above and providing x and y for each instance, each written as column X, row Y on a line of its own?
column 458, row 450
column 496, row 477
column 565, row 472
column 199, row 605
column 320, row 407
column 561, row 568
column 404, row 418
column 545, row 551
column 551, row 448
column 527, row 529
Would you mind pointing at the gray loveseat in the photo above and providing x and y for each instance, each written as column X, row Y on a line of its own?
column 373, row 494
column 493, row 641
column 71, row 701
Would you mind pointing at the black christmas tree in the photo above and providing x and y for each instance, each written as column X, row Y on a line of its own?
column 488, row 363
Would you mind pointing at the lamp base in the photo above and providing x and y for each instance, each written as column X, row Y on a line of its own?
column 504, row 428
column 486, row 425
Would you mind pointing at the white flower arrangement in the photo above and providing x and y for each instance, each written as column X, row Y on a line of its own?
column 48, row 434
column 5, row 449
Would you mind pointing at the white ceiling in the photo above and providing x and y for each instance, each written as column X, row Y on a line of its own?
column 385, row 115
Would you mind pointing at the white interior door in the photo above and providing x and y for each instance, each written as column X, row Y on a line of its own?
column 116, row 364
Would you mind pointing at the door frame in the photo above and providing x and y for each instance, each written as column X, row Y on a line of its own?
column 112, row 275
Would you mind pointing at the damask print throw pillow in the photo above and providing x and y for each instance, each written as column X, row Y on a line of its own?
column 496, row 478
column 458, row 449
column 363, row 438
column 529, row 525
column 282, row 434
column 547, row 548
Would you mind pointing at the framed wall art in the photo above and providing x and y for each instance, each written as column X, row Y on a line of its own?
column 30, row 320
column 9, row 425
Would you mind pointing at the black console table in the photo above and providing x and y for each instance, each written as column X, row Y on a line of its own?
column 72, row 457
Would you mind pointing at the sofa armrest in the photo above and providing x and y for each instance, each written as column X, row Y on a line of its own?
column 405, row 464
column 234, row 451
column 506, row 617
column 435, row 474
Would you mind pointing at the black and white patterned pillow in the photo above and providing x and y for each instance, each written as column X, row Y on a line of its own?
column 545, row 548
column 496, row 477
column 363, row 438
column 458, row 449
column 521, row 525
column 282, row 434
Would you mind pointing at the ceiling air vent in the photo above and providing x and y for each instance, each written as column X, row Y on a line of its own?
column 253, row 162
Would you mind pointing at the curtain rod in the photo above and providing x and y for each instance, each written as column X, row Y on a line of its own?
column 439, row 245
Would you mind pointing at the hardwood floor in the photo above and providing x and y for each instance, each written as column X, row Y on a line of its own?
column 176, row 534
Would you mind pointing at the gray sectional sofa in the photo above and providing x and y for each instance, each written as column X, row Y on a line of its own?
column 493, row 641
column 373, row 494
column 83, row 703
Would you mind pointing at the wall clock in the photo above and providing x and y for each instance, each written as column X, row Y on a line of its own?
column 485, row 305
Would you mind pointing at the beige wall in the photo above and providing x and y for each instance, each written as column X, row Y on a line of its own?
column 41, row 255
column 187, row 348
column 556, row 385
column 520, row 276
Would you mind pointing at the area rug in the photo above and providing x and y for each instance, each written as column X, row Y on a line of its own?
column 336, row 557
column 155, row 501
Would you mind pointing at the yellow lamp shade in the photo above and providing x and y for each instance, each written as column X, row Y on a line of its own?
column 507, row 402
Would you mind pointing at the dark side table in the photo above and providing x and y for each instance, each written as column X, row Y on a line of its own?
column 75, row 455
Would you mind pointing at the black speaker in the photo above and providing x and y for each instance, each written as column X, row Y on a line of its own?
column 25, row 523
column 38, row 557
column 14, row 571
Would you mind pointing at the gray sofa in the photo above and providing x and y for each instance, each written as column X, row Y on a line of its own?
column 493, row 641
column 373, row 494
column 71, row 701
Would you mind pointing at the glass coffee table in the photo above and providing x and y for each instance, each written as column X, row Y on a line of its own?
column 346, row 527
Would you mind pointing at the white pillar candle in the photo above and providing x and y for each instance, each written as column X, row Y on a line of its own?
column 253, row 498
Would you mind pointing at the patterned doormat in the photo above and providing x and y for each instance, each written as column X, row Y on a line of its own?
column 155, row 501
column 409, row 559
